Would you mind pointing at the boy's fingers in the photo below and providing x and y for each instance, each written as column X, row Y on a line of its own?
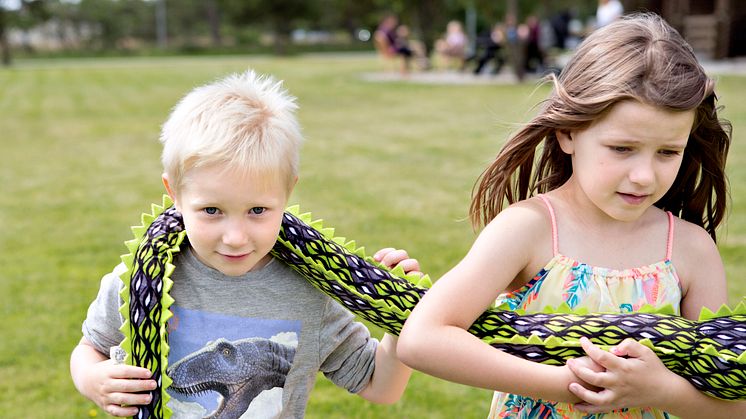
column 378, row 256
column 129, row 371
column 121, row 411
column 393, row 257
column 410, row 266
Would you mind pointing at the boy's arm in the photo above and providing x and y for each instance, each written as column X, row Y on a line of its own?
column 390, row 376
column 113, row 387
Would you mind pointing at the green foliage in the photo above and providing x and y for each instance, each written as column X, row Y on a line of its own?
column 386, row 164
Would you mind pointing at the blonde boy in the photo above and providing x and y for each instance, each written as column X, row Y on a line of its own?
column 230, row 157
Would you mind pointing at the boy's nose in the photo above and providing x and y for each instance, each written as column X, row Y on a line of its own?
column 235, row 235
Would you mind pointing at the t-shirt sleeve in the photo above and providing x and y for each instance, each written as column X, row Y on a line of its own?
column 347, row 350
column 102, row 323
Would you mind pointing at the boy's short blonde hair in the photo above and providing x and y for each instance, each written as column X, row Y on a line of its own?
column 243, row 122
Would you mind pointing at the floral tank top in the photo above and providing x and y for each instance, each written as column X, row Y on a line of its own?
column 565, row 280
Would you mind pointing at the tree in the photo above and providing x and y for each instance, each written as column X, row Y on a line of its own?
column 6, row 57
column 279, row 17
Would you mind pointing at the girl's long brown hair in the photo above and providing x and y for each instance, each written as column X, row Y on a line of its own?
column 639, row 57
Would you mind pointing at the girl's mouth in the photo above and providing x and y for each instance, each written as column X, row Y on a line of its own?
column 633, row 199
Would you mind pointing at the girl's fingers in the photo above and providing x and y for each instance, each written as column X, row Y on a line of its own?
column 584, row 394
column 594, row 378
column 631, row 348
column 601, row 357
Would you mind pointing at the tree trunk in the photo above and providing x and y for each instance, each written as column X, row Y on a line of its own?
column 213, row 18
column 4, row 45
column 429, row 21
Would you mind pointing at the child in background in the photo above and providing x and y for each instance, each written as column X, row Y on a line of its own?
column 230, row 156
column 619, row 210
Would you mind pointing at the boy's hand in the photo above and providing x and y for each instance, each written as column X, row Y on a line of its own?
column 115, row 387
column 391, row 257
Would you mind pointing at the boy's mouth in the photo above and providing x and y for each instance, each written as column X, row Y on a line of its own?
column 234, row 257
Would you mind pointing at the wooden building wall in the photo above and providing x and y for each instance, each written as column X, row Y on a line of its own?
column 714, row 28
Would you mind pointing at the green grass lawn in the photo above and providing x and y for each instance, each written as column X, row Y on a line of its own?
column 388, row 164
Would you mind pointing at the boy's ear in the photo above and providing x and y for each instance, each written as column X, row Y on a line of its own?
column 565, row 141
column 167, row 185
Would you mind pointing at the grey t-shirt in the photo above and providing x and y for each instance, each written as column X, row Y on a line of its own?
column 259, row 338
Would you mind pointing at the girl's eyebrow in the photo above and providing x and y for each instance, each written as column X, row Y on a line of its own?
column 681, row 143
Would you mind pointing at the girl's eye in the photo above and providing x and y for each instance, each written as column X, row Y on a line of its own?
column 210, row 210
column 670, row 152
column 620, row 149
column 257, row 210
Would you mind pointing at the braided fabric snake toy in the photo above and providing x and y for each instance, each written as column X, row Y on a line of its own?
column 710, row 353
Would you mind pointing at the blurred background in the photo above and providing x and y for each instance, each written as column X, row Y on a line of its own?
column 50, row 28
column 402, row 103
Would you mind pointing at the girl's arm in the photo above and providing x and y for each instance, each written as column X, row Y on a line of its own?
column 634, row 375
column 435, row 338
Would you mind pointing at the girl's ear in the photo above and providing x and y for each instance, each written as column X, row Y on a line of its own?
column 565, row 141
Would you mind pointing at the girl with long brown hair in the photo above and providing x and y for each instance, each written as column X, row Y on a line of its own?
column 608, row 200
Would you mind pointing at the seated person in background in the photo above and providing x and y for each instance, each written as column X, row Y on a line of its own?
column 489, row 47
column 388, row 44
column 452, row 47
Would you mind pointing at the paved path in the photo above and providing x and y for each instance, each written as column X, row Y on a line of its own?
column 733, row 66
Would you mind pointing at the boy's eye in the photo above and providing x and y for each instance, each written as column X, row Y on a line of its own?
column 620, row 148
column 257, row 210
column 211, row 210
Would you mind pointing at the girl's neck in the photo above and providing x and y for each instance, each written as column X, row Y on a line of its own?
column 582, row 211
column 589, row 235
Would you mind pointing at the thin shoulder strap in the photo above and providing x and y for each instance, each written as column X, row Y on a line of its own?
column 555, row 239
column 669, row 243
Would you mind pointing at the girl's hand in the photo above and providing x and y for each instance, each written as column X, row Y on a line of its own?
column 586, row 363
column 391, row 257
column 633, row 377
column 115, row 387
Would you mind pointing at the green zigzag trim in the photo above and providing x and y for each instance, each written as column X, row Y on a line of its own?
column 416, row 281
column 550, row 341
column 351, row 247
column 146, row 220
column 667, row 310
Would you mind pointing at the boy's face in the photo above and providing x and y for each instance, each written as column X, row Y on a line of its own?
column 231, row 218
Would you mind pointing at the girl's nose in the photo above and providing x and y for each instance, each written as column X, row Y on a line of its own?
column 642, row 173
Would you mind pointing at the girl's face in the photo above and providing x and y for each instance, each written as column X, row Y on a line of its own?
column 627, row 159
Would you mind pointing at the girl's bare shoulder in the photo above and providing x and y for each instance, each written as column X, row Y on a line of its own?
column 695, row 253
